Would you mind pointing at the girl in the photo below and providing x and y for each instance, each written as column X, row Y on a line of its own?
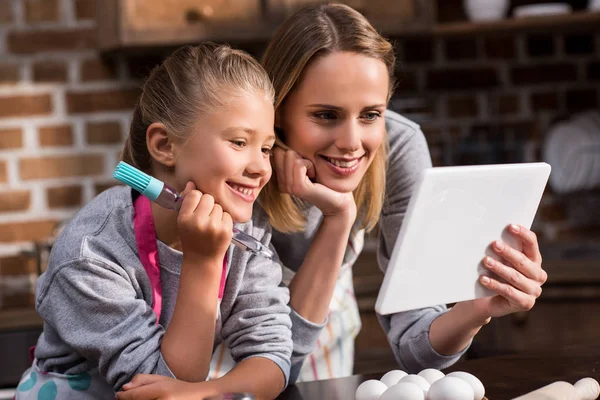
column 132, row 287
column 333, row 76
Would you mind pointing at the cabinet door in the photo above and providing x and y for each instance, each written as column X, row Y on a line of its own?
column 143, row 14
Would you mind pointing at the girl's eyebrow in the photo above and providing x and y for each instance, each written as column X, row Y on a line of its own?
column 250, row 131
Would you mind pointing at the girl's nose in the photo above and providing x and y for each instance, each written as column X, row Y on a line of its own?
column 259, row 164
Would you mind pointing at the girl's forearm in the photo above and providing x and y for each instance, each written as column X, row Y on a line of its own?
column 313, row 285
column 257, row 375
column 451, row 333
column 188, row 341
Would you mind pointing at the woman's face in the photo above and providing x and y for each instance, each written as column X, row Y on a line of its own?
column 334, row 116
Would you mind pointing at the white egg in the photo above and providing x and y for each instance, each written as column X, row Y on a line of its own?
column 403, row 391
column 587, row 388
column 450, row 388
column 392, row 377
column 431, row 375
column 472, row 380
column 419, row 380
column 370, row 390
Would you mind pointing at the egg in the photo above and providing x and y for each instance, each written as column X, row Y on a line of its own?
column 450, row 388
column 587, row 388
column 431, row 375
column 392, row 377
column 403, row 391
column 419, row 380
column 370, row 390
column 472, row 380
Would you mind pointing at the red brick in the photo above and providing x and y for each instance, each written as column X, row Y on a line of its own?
column 97, row 70
column 463, row 106
column 6, row 11
column 60, row 135
column 500, row 47
column 17, row 265
column 25, row 105
column 85, row 9
column 41, row 10
column 27, row 42
column 540, row 45
column 9, row 73
column 417, row 50
column 544, row 101
column 536, row 74
column 103, row 132
column 579, row 43
column 60, row 167
column 464, row 48
column 64, row 197
column 593, row 71
column 406, row 81
column 462, row 78
column 50, row 71
column 11, row 138
column 554, row 211
column 139, row 66
column 3, row 172
column 505, row 104
column 112, row 100
column 581, row 100
column 26, row 231
column 433, row 134
column 16, row 200
column 18, row 300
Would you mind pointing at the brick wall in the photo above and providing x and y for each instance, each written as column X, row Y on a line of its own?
column 64, row 112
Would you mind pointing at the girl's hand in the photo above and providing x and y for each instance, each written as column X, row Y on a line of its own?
column 150, row 387
column 522, row 272
column 294, row 175
column 205, row 230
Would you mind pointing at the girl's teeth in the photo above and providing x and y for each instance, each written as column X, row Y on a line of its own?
column 243, row 190
column 343, row 164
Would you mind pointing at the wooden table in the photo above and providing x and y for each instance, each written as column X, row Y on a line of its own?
column 504, row 377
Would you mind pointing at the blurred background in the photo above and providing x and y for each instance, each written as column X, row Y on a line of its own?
column 490, row 81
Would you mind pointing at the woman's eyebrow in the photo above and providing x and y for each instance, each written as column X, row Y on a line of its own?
column 328, row 106
column 374, row 106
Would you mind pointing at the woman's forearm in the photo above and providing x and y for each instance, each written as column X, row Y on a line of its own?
column 257, row 375
column 313, row 285
column 451, row 332
column 188, row 341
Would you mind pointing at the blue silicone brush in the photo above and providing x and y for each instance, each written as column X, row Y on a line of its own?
column 168, row 197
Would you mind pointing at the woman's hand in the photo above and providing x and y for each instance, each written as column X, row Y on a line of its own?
column 150, row 387
column 521, row 271
column 294, row 175
column 205, row 230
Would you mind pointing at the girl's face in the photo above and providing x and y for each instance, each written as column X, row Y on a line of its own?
column 227, row 156
column 334, row 116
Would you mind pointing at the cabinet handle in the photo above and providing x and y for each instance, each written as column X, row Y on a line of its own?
column 194, row 15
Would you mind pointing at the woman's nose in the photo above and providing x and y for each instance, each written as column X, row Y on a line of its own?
column 349, row 137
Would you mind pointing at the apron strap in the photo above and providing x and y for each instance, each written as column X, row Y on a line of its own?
column 145, row 237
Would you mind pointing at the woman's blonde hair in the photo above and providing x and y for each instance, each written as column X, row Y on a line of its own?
column 192, row 82
column 306, row 36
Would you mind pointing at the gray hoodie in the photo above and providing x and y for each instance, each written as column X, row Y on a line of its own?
column 95, row 298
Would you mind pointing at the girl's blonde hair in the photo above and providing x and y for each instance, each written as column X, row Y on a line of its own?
column 192, row 82
column 306, row 36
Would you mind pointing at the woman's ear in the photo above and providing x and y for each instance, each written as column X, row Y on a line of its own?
column 160, row 144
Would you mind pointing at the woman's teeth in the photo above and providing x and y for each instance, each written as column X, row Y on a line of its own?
column 343, row 164
column 241, row 189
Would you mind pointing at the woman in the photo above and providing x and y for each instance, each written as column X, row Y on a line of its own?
column 333, row 75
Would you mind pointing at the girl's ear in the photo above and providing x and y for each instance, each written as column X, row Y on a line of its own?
column 160, row 144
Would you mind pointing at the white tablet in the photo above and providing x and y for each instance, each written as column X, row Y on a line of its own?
column 453, row 216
